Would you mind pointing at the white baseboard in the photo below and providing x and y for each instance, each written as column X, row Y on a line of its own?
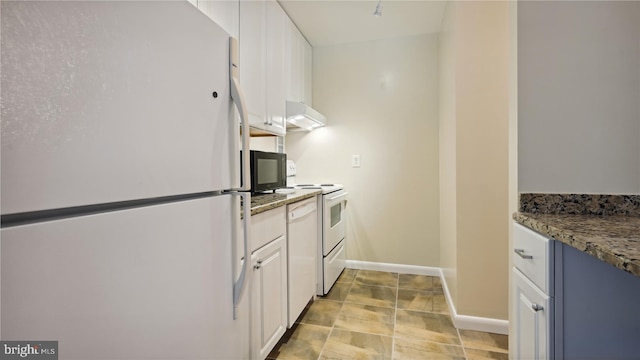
column 397, row 268
column 464, row 322
column 495, row 326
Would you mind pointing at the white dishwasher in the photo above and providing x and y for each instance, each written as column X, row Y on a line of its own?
column 302, row 241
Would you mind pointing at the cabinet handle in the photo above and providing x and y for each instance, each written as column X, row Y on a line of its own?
column 522, row 254
column 258, row 265
column 536, row 307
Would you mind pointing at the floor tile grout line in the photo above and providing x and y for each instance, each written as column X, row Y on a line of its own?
column 394, row 337
column 336, row 319
column 502, row 351
column 395, row 320
column 464, row 350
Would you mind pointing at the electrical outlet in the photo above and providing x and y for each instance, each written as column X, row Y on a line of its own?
column 355, row 161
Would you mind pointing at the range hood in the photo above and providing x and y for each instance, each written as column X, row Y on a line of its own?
column 303, row 116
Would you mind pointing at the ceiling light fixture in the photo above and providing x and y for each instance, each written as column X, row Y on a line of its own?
column 378, row 11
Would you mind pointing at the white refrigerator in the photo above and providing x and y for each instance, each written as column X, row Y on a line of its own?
column 122, row 235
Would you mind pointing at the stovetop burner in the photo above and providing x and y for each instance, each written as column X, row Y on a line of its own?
column 326, row 188
column 315, row 185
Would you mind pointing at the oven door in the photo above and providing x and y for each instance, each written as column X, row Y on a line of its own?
column 335, row 220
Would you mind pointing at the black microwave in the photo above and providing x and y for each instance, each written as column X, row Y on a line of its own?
column 268, row 171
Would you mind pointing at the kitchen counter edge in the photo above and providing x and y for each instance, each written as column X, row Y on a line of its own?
column 612, row 239
column 265, row 202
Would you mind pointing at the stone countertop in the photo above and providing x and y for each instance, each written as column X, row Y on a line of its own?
column 610, row 237
column 264, row 202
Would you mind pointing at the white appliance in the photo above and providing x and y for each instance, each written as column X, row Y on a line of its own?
column 332, row 229
column 302, row 240
column 332, row 232
column 121, row 181
column 303, row 116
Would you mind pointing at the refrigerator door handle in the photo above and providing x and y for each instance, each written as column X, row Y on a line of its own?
column 238, row 99
column 240, row 285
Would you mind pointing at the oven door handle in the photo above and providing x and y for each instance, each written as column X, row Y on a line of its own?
column 338, row 197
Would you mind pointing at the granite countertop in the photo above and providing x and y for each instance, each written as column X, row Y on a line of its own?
column 604, row 226
column 264, row 202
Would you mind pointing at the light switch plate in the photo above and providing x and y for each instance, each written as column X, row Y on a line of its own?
column 355, row 161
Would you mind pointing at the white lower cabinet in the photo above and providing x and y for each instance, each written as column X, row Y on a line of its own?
column 567, row 304
column 269, row 283
column 530, row 317
column 532, row 295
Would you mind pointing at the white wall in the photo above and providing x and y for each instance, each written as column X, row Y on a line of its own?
column 474, row 130
column 447, row 127
column 482, row 154
column 264, row 143
column 578, row 97
column 381, row 101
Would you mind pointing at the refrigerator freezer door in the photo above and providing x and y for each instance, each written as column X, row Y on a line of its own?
column 113, row 101
column 152, row 282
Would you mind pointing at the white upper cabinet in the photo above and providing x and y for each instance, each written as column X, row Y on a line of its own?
column 277, row 22
column 307, row 94
column 225, row 13
column 292, row 62
column 298, row 65
column 262, row 65
column 275, row 59
column 253, row 62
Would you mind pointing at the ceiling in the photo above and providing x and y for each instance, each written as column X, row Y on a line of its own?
column 332, row 22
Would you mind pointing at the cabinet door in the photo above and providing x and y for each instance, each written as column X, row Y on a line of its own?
column 531, row 320
column 307, row 73
column 299, row 58
column 295, row 60
column 269, row 305
column 275, row 90
column 225, row 13
column 253, row 40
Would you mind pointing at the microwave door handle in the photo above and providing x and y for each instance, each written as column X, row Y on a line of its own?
column 238, row 99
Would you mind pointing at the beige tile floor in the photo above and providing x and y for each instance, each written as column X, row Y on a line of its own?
column 381, row 315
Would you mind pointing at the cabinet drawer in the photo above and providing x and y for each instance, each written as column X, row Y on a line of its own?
column 334, row 263
column 533, row 255
column 267, row 226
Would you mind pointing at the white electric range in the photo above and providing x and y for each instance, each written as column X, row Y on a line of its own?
column 332, row 230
